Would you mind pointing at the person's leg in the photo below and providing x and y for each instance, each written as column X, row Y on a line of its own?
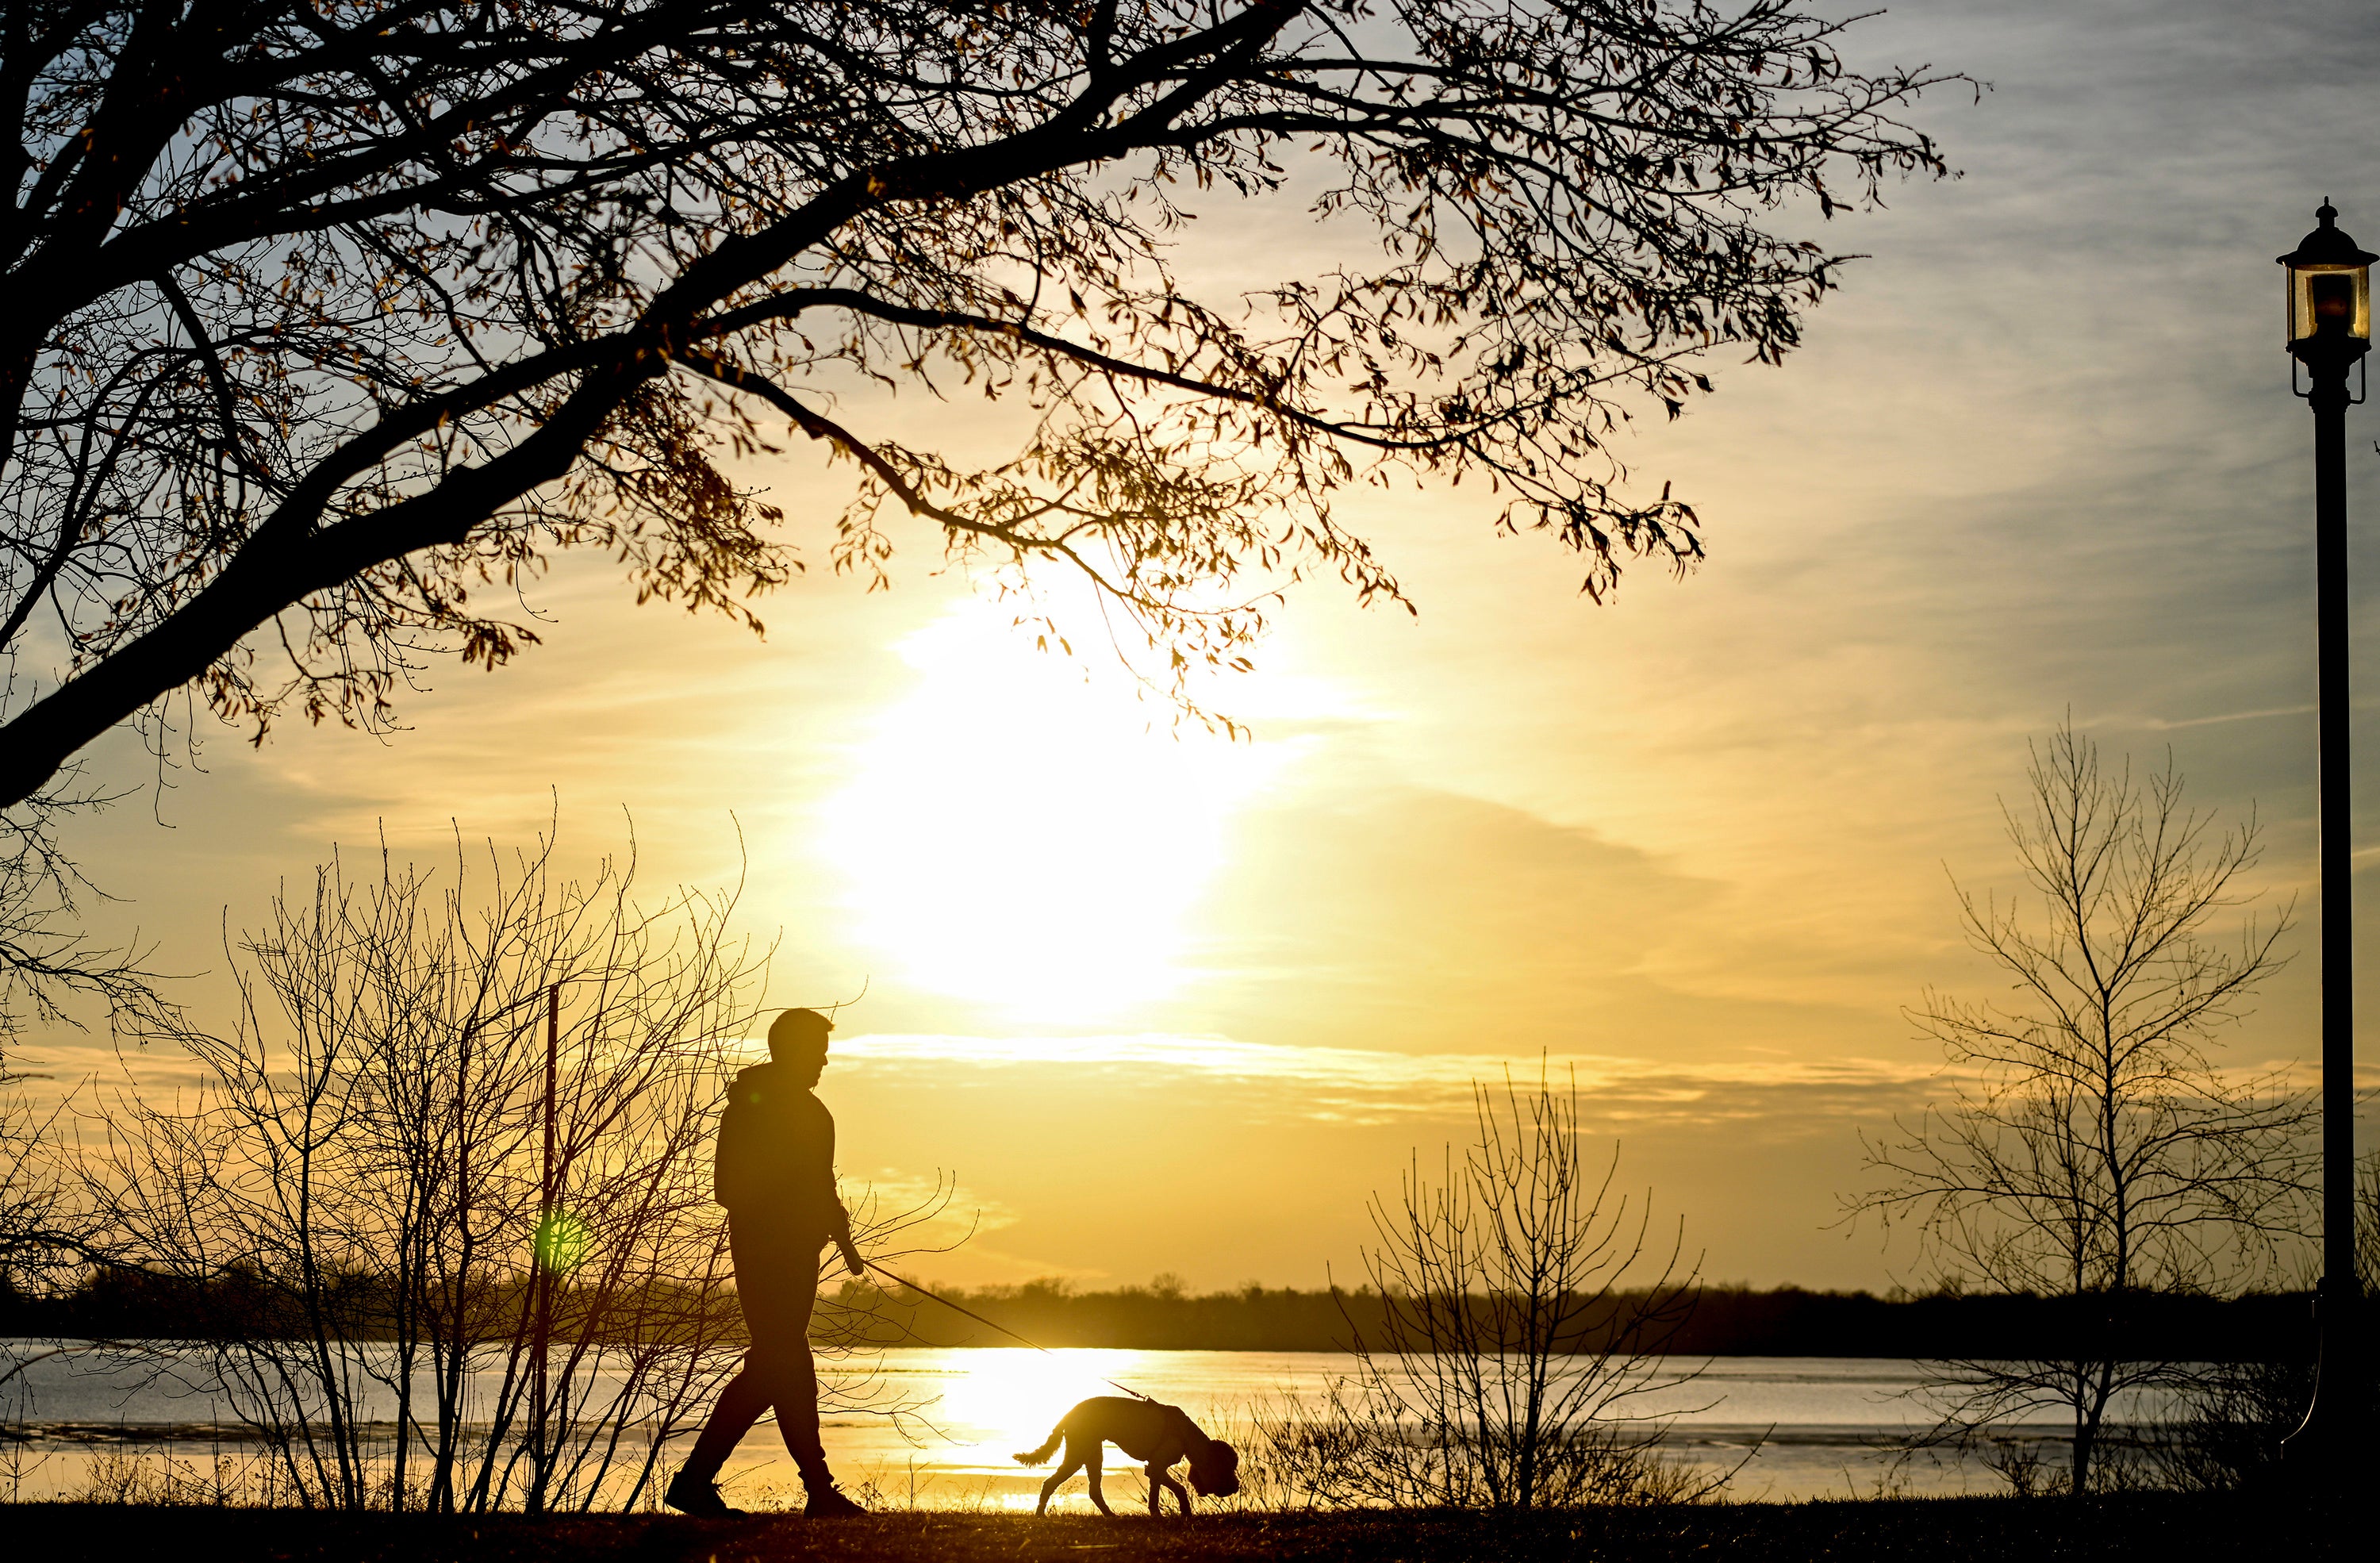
column 778, row 1283
column 740, row 1405
column 780, row 1287
column 762, row 1295
column 789, row 1377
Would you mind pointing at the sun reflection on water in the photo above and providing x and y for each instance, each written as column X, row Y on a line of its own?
column 992, row 1401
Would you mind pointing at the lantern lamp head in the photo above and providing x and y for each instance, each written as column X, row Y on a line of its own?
column 2330, row 290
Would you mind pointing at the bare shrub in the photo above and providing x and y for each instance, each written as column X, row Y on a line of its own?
column 1510, row 1364
column 1352, row 1449
column 453, row 1165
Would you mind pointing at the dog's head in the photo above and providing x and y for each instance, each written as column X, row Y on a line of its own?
column 1215, row 1470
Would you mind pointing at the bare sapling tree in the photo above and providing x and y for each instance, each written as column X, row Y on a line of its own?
column 331, row 324
column 1523, row 1312
column 2091, row 1147
column 456, row 1157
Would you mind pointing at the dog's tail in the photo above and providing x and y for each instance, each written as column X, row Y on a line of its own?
column 1034, row 1456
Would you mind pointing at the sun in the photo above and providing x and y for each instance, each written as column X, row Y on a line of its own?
column 1023, row 830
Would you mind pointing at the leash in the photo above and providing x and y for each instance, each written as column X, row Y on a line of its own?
column 936, row 1297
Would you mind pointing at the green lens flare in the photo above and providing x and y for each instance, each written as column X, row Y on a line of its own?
column 563, row 1242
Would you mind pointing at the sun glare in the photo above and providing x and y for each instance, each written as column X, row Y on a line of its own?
column 1020, row 834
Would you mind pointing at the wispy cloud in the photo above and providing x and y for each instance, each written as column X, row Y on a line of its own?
column 1356, row 1085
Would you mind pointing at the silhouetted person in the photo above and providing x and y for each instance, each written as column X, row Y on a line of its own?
column 776, row 1178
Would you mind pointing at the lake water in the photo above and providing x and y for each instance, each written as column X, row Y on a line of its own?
column 1811, row 1426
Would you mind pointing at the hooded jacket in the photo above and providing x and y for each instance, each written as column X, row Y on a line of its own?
column 776, row 1153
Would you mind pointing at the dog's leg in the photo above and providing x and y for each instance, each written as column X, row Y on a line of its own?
column 1160, row 1481
column 1091, row 1470
column 1067, row 1465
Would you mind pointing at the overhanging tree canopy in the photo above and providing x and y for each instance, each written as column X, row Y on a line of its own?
column 329, row 319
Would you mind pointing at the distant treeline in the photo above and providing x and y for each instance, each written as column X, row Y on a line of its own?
column 1724, row 1321
column 241, row 1303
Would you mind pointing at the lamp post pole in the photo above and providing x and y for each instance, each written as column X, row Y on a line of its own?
column 2330, row 331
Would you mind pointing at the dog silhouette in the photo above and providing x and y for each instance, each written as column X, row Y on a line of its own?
column 1156, row 1434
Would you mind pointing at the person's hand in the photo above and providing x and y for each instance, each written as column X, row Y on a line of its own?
column 853, row 1262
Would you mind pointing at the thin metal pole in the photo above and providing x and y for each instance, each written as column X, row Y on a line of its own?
column 2333, row 1424
column 2338, row 900
column 553, row 1069
column 542, row 1273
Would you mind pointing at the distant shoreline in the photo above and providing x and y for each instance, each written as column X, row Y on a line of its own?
column 1726, row 1322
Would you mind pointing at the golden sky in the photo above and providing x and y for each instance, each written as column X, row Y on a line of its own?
column 1164, row 1002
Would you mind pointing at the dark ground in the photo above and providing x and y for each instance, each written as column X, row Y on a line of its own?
column 1941, row 1531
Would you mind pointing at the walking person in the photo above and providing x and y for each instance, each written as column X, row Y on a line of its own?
column 775, row 1175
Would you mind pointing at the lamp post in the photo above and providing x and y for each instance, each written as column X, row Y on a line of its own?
column 2330, row 331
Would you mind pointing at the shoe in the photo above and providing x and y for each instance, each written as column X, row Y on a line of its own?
column 690, row 1495
column 828, row 1503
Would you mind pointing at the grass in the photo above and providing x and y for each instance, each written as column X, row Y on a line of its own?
column 2159, row 1528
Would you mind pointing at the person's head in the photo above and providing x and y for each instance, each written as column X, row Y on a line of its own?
column 798, row 1037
